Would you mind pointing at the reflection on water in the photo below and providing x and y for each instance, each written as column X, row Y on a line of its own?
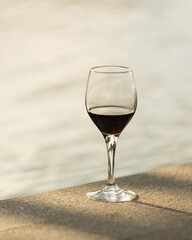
column 47, row 47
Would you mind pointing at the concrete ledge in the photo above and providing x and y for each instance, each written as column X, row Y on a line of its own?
column 163, row 211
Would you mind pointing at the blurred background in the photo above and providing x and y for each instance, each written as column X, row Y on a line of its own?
column 47, row 140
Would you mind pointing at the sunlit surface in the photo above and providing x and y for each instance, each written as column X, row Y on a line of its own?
column 47, row 140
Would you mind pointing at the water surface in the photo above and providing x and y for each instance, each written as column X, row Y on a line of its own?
column 47, row 48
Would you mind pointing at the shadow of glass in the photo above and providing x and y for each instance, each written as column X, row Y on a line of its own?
column 163, row 208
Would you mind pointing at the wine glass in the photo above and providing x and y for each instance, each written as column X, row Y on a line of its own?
column 111, row 101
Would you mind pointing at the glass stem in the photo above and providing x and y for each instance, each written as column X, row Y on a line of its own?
column 111, row 142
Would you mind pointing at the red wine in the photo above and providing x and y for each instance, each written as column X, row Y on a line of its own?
column 111, row 119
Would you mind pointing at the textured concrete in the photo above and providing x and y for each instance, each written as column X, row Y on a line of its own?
column 47, row 140
column 162, row 211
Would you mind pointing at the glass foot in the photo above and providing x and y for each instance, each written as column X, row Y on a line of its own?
column 112, row 194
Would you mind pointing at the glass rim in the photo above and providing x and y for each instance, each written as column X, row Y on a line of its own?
column 120, row 69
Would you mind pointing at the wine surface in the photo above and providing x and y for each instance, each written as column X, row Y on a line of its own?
column 111, row 119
